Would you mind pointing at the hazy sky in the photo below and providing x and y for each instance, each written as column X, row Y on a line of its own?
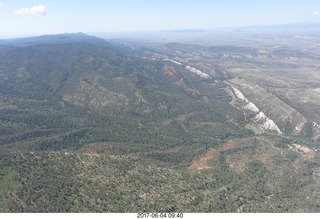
column 33, row 17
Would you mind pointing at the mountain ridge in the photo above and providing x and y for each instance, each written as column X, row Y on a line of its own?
column 51, row 39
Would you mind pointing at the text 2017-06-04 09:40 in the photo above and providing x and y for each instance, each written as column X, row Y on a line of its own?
column 160, row 215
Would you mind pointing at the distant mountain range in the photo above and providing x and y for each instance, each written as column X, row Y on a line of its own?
column 59, row 38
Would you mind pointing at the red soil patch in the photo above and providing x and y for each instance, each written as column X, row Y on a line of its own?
column 176, row 77
column 202, row 162
column 171, row 73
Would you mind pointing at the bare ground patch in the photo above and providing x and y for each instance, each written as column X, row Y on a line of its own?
column 202, row 162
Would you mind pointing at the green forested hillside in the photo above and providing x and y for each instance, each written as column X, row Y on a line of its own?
column 91, row 126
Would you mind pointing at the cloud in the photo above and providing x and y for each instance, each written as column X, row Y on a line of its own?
column 2, row 5
column 316, row 13
column 34, row 11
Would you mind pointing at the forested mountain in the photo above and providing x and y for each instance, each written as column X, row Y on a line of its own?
column 88, row 125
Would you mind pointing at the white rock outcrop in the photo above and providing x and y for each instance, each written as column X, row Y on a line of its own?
column 173, row 61
column 315, row 125
column 250, row 106
column 266, row 124
column 239, row 95
column 197, row 72
column 260, row 118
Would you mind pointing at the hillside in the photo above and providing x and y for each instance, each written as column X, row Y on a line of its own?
column 88, row 125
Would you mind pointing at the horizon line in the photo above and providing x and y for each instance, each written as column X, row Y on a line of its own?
column 17, row 36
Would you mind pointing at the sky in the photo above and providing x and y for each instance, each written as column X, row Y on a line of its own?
column 38, row 17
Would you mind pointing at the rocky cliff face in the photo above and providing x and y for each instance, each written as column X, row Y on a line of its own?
column 273, row 114
column 266, row 124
